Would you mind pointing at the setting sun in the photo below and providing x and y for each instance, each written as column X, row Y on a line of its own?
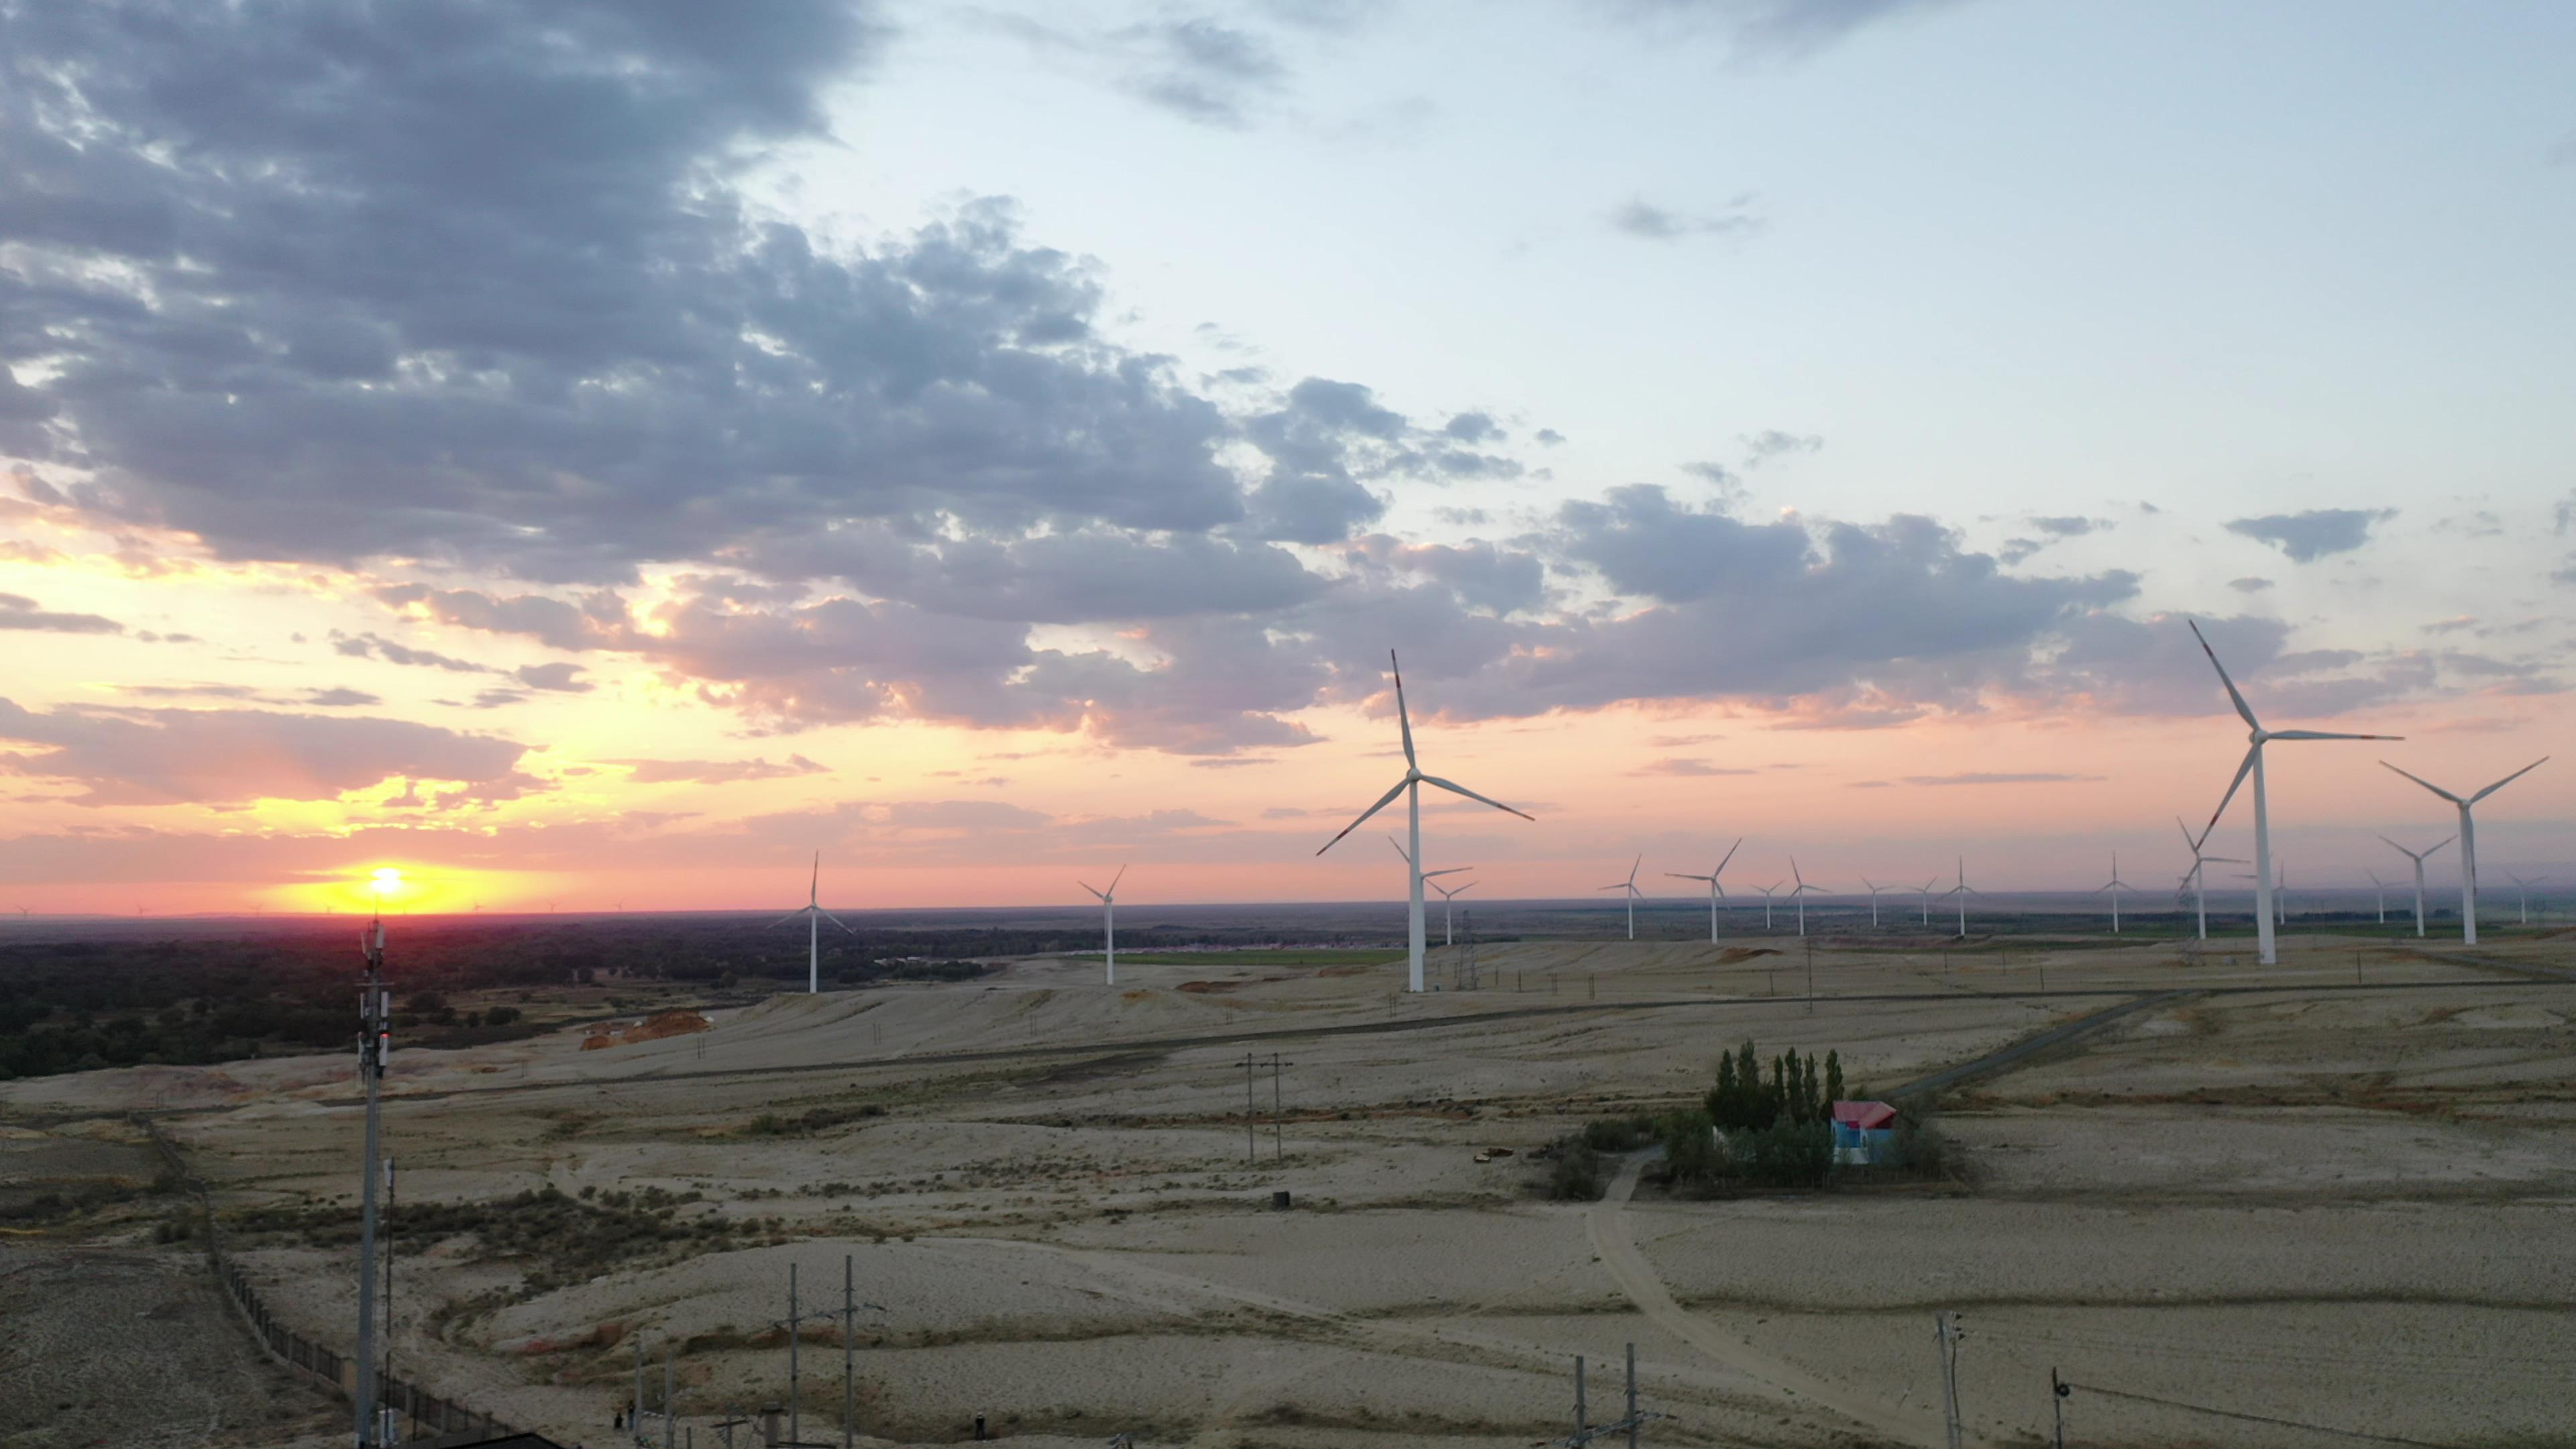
column 387, row 879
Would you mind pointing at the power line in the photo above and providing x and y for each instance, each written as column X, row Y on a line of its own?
column 2254, row 1418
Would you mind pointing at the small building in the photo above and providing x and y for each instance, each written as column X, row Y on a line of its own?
column 1864, row 1134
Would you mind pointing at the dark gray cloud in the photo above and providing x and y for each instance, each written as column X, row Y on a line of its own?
column 17, row 611
column 2307, row 537
column 1203, row 71
column 2071, row 527
column 376, row 646
column 1762, row 30
column 2250, row 584
column 1771, row 443
column 122, row 756
column 1641, row 218
column 717, row 772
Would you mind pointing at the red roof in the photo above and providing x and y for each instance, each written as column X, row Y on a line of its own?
column 1864, row 1116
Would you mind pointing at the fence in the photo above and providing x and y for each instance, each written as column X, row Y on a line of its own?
column 445, row 1422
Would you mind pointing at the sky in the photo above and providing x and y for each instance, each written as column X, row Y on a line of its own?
column 606, row 453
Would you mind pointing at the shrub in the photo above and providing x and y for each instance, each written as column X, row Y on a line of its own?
column 1576, row 1174
column 1785, row 1154
column 1619, row 1134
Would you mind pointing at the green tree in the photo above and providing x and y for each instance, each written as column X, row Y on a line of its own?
column 1833, row 1079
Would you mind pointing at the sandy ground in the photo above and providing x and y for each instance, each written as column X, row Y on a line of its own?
column 2285, row 1195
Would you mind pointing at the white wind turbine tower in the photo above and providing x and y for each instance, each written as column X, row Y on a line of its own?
column 2199, row 876
column 1802, row 892
column 1411, row 788
column 2418, row 857
column 1766, row 903
column 1927, row 898
column 1448, row 907
column 2523, row 889
column 1630, row 894
column 2379, row 893
column 1715, row 891
column 814, row 915
column 2468, row 838
column 2265, row 950
column 1873, row 901
column 1108, row 920
column 2115, row 886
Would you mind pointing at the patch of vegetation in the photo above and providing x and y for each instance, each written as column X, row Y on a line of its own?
column 1317, row 957
column 565, row 1239
column 810, row 1121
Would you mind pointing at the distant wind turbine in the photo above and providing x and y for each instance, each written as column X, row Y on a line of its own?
column 2266, row 950
column 1802, row 892
column 1715, row 891
column 1874, row 889
column 814, row 915
column 2468, row 839
column 2198, row 877
column 2379, row 892
column 1428, row 874
column 2523, row 888
column 1927, row 898
column 1629, row 893
column 1449, row 907
column 1411, row 788
column 1963, row 890
column 2418, row 857
column 1109, row 920
column 1766, row 903
column 2114, row 887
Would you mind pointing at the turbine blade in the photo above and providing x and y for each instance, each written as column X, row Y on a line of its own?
column 2447, row 839
column 1115, row 879
column 2427, row 784
column 1462, row 890
column 837, row 921
column 1621, row 886
column 1730, row 855
column 2243, row 710
column 2233, row 786
column 1455, row 788
column 1398, row 847
column 791, row 915
column 1403, row 720
column 2328, row 735
column 2509, row 779
column 1677, row 875
column 1632, row 867
column 1453, row 870
column 1086, row 885
column 1382, row 802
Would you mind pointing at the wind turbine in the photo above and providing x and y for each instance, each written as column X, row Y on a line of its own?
column 1766, row 903
column 1630, row 893
column 2468, row 838
column 814, row 915
column 2379, row 892
column 1801, row 893
column 2114, row 887
column 1873, row 901
column 1715, row 891
column 2199, row 875
column 1927, row 898
column 1448, row 907
column 1429, row 874
column 2523, row 889
column 2418, row 857
column 2265, row 950
column 1410, row 787
column 1108, row 920
column 1963, row 890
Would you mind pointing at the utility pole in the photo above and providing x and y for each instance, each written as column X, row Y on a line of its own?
column 1631, row 1423
column 1251, row 1154
column 1278, row 1113
column 850, row 1306
column 2058, row 1389
column 796, row 1331
column 635, row 1419
column 1632, row 1398
column 1946, row 1329
column 374, row 1047
column 668, row 1419
column 388, row 1379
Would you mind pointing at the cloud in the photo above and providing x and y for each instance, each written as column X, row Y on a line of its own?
column 17, row 611
column 1642, row 219
column 1976, row 777
column 1771, row 443
column 2250, row 584
column 2307, row 537
column 1686, row 767
column 717, row 772
column 557, row 678
column 376, row 646
column 122, row 756
column 1203, row 71
column 1782, row 30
